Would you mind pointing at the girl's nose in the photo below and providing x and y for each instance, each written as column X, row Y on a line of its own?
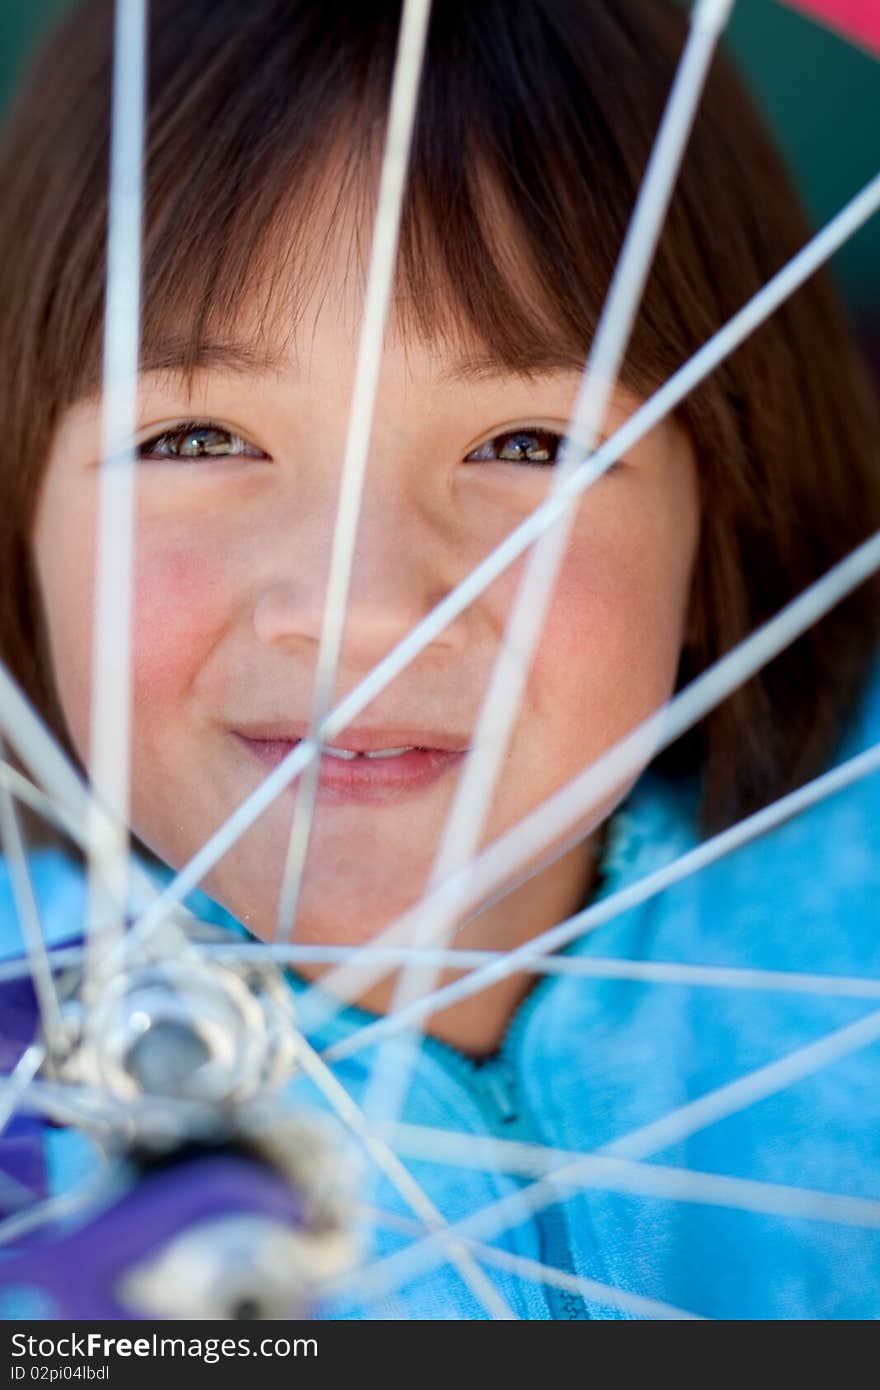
column 396, row 577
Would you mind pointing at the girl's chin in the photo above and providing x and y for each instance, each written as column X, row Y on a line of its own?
column 342, row 928
column 343, row 917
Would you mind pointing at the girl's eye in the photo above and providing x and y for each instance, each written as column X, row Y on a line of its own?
column 535, row 446
column 197, row 440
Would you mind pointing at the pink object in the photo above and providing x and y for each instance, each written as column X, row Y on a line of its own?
column 856, row 19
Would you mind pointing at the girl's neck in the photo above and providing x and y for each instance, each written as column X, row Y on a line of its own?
column 477, row 1025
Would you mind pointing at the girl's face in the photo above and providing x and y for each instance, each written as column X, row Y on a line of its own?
column 236, row 495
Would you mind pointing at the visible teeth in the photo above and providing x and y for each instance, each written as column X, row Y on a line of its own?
column 379, row 752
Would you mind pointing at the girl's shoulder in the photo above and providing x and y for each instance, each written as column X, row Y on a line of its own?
column 717, row 978
column 660, row 817
column 798, row 894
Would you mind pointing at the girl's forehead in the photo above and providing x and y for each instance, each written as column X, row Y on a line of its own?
column 307, row 283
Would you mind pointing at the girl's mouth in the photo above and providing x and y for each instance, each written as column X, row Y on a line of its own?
column 360, row 775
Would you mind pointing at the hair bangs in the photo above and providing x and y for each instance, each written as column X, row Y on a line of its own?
column 264, row 151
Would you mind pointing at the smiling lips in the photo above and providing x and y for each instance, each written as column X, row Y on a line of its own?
column 368, row 767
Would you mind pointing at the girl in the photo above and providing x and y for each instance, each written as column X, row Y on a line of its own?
column 534, row 126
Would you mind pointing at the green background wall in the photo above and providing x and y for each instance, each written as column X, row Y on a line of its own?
column 822, row 95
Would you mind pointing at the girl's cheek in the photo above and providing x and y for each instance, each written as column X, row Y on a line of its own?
column 64, row 555
column 610, row 646
column 178, row 609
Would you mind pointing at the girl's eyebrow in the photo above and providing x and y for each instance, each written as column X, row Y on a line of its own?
column 179, row 354
column 537, row 362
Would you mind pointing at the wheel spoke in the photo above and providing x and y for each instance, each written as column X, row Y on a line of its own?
column 45, row 989
column 109, row 746
column 507, row 682
column 380, row 282
column 555, row 816
column 639, row 1144
column 534, row 1271
column 490, row 1154
column 586, row 967
column 57, row 1208
column 389, row 1163
column 607, row 909
column 20, row 1078
column 74, row 805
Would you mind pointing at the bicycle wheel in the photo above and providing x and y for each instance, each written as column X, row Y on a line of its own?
column 233, row 1099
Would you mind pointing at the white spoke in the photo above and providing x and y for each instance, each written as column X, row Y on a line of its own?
column 493, row 1155
column 685, row 1121
column 29, row 920
column 747, row 1090
column 109, row 748
column 774, row 293
column 543, row 826
column 18, row 1081
column 590, row 1289
column 97, row 1110
column 19, row 969
column 38, row 748
column 380, row 282
column 26, row 791
column 588, row 968
column 68, row 1204
column 504, row 692
column 14, row 1194
column 72, row 803
column 72, row 806
column 388, row 1162
column 81, row 1107
column 600, row 913
column 379, row 1216
column 532, row 1270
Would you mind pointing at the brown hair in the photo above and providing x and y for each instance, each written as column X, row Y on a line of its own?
column 551, row 106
